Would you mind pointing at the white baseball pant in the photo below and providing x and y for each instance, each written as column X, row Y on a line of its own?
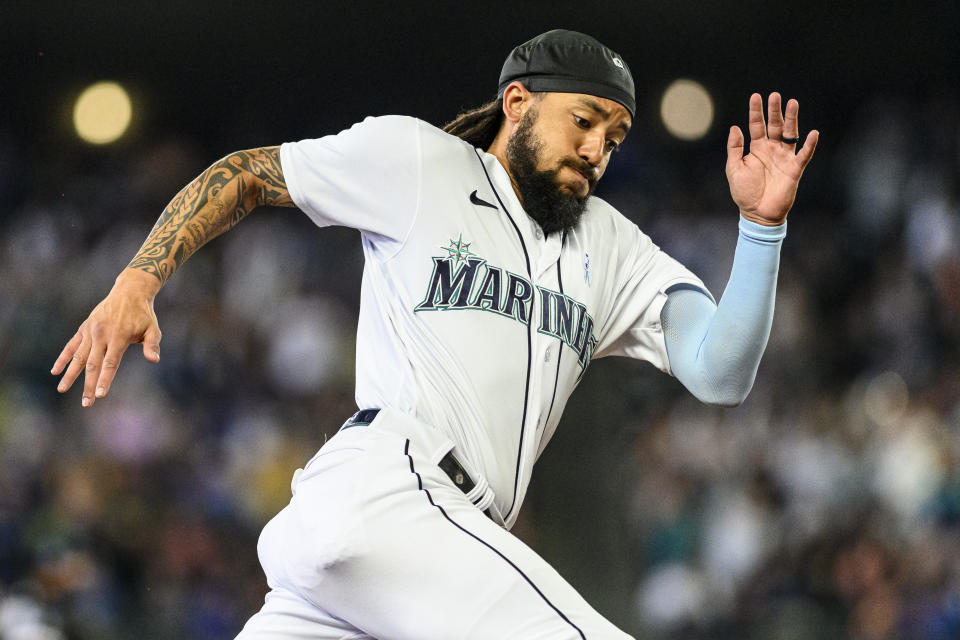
column 377, row 542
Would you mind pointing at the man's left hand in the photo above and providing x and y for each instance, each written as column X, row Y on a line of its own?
column 764, row 182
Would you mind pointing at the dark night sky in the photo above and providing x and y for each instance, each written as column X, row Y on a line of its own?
column 286, row 69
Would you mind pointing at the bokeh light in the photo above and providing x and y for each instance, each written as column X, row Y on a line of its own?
column 687, row 109
column 102, row 113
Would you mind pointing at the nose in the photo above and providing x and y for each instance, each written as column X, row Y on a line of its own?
column 591, row 149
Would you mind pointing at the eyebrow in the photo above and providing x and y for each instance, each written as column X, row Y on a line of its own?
column 592, row 104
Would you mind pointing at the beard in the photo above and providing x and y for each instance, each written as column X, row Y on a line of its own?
column 544, row 201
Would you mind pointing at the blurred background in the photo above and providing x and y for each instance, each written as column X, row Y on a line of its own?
column 827, row 506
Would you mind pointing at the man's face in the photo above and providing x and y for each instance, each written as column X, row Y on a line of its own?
column 559, row 151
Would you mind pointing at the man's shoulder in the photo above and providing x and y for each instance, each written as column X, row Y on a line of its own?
column 598, row 207
column 432, row 142
column 401, row 122
column 603, row 222
column 394, row 138
column 601, row 215
column 437, row 136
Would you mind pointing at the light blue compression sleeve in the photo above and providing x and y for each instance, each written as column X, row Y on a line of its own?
column 714, row 350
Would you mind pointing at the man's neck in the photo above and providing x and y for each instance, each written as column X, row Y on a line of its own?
column 499, row 149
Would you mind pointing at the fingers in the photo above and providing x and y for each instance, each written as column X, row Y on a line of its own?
column 774, row 117
column 108, row 369
column 151, row 344
column 780, row 124
column 98, row 355
column 104, row 360
column 758, row 129
column 791, row 129
column 734, row 149
column 78, row 359
column 66, row 355
column 791, row 125
column 92, row 371
column 809, row 146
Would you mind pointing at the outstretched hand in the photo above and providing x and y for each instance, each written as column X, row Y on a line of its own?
column 123, row 318
column 764, row 183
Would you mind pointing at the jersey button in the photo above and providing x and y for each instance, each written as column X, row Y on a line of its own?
column 537, row 232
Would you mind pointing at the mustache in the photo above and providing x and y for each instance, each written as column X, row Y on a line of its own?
column 584, row 167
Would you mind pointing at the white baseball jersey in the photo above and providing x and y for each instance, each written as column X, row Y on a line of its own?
column 471, row 320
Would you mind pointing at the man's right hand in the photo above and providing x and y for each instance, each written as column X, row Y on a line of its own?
column 123, row 318
column 212, row 203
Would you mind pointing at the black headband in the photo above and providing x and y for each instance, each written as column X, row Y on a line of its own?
column 569, row 62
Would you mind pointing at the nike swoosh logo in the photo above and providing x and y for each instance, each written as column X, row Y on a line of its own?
column 483, row 203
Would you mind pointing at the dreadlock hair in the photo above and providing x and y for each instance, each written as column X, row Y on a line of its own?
column 478, row 126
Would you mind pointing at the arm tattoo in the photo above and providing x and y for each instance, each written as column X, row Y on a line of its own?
column 213, row 203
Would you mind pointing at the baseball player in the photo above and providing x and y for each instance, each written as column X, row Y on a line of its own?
column 492, row 279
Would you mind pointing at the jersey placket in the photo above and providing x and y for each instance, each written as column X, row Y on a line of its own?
column 544, row 257
column 547, row 349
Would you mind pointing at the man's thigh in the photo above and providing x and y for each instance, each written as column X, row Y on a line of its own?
column 386, row 543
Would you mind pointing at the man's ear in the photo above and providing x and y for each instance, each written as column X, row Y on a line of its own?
column 516, row 101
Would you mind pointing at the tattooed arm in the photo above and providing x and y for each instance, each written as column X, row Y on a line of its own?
column 213, row 203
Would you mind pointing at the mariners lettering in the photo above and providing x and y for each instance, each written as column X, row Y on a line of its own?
column 519, row 296
column 471, row 283
column 489, row 298
column 559, row 314
column 444, row 285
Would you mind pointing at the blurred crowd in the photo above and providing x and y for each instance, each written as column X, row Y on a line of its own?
column 826, row 506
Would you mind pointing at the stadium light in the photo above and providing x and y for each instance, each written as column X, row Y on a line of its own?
column 687, row 109
column 102, row 113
